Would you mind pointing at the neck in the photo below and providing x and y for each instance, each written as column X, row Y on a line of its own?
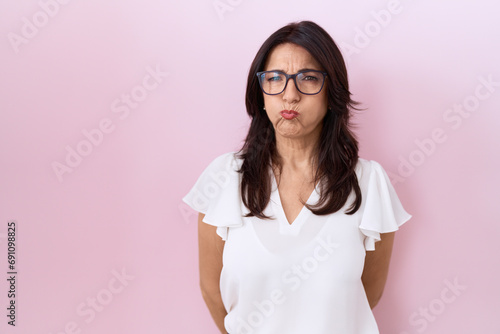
column 298, row 154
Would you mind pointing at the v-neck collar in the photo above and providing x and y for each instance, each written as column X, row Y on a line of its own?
column 284, row 226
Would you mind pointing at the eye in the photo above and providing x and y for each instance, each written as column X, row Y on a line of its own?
column 310, row 76
column 273, row 77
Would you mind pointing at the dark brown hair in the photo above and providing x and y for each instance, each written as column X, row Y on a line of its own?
column 337, row 152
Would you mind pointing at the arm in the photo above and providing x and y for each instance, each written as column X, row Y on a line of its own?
column 377, row 267
column 210, row 257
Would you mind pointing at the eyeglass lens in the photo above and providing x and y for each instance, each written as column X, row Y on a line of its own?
column 306, row 82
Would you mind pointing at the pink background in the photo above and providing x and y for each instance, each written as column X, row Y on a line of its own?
column 120, row 208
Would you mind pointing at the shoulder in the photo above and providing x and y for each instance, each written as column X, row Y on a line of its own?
column 219, row 172
column 225, row 162
column 365, row 168
column 371, row 175
column 216, row 193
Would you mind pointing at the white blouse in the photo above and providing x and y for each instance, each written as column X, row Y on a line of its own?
column 297, row 278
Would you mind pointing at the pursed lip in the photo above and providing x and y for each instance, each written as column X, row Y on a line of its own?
column 289, row 112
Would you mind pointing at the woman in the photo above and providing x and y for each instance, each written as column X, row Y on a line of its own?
column 288, row 224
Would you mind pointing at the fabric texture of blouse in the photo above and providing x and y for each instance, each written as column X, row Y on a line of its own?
column 297, row 278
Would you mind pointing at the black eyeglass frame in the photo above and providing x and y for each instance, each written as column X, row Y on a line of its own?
column 293, row 76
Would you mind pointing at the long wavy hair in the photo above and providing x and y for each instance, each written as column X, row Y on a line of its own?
column 337, row 150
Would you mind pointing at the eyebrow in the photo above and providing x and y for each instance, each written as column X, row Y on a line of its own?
column 301, row 70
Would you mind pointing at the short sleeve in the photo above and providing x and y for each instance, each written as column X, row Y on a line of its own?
column 216, row 194
column 382, row 211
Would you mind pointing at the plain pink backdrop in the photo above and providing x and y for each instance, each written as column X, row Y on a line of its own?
column 66, row 66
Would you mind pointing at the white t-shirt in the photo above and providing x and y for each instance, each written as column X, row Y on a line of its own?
column 297, row 278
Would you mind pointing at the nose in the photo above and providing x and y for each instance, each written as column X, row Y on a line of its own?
column 291, row 94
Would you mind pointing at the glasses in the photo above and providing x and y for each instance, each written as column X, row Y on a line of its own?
column 309, row 82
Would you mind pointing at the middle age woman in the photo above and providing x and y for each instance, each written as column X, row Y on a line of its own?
column 288, row 224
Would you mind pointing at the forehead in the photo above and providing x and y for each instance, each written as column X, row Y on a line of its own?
column 290, row 57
